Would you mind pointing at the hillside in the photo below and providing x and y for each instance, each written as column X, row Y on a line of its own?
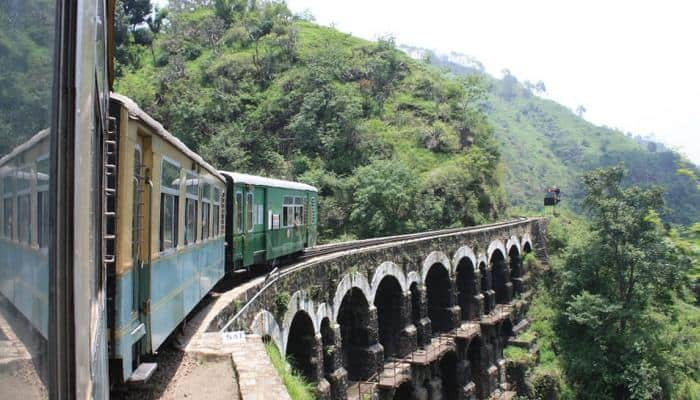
column 395, row 145
column 546, row 144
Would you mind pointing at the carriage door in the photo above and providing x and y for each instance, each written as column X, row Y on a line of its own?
column 248, row 210
column 140, row 270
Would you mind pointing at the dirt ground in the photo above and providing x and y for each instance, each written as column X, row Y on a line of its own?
column 180, row 376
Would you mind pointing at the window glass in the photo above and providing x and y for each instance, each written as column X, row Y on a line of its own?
column 8, row 207
column 192, row 184
column 205, row 220
column 170, row 176
column 43, row 219
column 190, row 221
column 191, row 207
column 249, row 211
column 8, row 215
column 24, row 220
column 239, row 212
column 168, row 221
column 215, row 225
column 27, row 48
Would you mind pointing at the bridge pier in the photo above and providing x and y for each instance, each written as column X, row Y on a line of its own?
column 420, row 315
column 334, row 374
column 408, row 337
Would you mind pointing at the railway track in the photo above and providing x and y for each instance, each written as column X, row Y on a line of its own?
column 305, row 259
column 325, row 249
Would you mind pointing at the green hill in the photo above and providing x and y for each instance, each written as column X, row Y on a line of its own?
column 395, row 145
column 546, row 144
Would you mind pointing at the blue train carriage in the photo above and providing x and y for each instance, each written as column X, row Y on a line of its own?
column 24, row 273
column 267, row 219
column 170, row 237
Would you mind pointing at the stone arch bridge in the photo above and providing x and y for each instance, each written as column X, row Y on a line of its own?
column 444, row 305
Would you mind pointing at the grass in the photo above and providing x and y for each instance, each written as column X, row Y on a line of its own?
column 297, row 387
column 517, row 354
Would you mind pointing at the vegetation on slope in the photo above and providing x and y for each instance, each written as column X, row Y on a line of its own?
column 546, row 144
column 616, row 317
column 297, row 387
column 393, row 144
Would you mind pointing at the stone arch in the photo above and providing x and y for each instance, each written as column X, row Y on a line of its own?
column 500, row 279
column 385, row 269
column 265, row 324
column 476, row 366
column 323, row 310
column 298, row 302
column 435, row 257
column 438, row 287
column 301, row 348
column 485, row 282
column 462, row 252
column 467, row 285
column 413, row 277
column 349, row 281
column 389, row 300
column 353, row 317
column 513, row 241
column 328, row 345
column 493, row 246
column 515, row 265
column 526, row 242
column 448, row 374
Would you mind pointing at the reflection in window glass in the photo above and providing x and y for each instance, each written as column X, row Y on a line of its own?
column 26, row 103
column 239, row 212
column 24, row 219
column 169, row 200
column 249, row 211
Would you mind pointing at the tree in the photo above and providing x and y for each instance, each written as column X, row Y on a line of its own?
column 611, row 287
column 580, row 110
column 136, row 11
column 384, row 194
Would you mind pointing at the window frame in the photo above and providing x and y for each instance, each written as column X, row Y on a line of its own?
column 206, row 200
column 250, row 210
column 24, row 194
column 11, row 197
column 174, row 195
column 189, row 197
column 238, row 212
column 217, row 200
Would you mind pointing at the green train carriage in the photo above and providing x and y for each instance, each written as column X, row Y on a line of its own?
column 267, row 219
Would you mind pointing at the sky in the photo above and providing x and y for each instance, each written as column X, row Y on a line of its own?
column 634, row 65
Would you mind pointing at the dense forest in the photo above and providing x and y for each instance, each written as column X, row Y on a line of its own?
column 397, row 144
column 546, row 144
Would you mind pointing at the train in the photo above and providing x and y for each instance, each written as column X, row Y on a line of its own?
column 182, row 225
column 111, row 229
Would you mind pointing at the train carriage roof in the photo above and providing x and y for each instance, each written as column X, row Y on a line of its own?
column 136, row 112
column 262, row 181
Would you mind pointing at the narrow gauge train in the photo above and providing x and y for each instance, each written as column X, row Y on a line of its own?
column 111, row 229
column 177, row 217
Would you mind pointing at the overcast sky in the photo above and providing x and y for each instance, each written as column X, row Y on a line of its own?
column 634, row 65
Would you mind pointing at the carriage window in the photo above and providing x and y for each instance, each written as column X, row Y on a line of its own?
column 169, row 201
column 191, row 205
column 24, row 204
column 249, row 211
column 288, row 211
column 8, row 206
column 42, row 202
column 216, row 224
column 298, row 211
column 206, row 200
column 239, row 212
